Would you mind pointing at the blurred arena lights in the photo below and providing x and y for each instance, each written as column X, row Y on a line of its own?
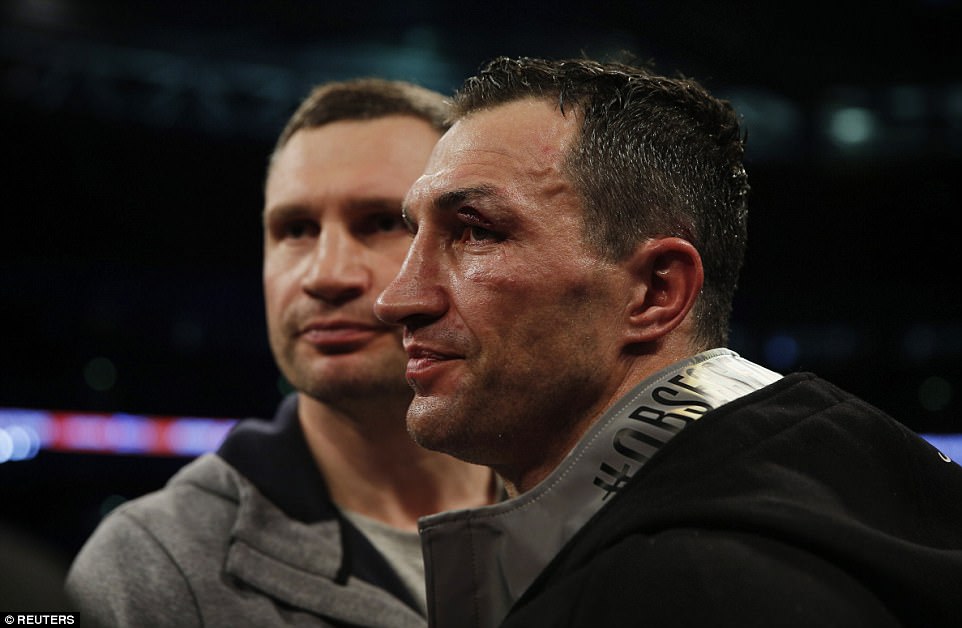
column 24, row 433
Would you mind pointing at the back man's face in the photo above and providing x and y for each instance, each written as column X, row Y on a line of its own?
column 333, row 239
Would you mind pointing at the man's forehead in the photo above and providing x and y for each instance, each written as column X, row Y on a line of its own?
column 528, row 124
column 524, row 138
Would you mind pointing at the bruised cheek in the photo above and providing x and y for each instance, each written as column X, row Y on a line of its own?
column 493, row 274
column 547, row 280
column 521, row 303
column 489, row 293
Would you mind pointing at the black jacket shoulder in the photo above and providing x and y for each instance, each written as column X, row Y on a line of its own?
column 797, row 505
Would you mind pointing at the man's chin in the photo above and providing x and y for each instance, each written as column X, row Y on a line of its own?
column 424, row 422
column 340, row 380
column 435, row 425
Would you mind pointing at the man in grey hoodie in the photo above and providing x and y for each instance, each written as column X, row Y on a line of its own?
column 308, row 519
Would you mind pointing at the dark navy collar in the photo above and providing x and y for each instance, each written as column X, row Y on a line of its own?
column 274, row 456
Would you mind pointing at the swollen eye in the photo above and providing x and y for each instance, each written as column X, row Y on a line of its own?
column 471, row 227
column 479, row 233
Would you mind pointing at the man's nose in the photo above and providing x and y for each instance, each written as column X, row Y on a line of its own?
column 338, row 269
column 415, row 297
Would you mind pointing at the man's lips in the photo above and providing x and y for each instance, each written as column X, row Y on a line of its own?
column 425, row 362
column 338, row 333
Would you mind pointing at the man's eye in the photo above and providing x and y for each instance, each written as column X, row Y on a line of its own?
column 298, row 229
column 474, row 233
column 389, row 222
column 376, row 224
column 473, row 230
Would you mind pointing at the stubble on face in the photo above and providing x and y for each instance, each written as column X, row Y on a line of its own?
column 528, row 396
column 334, row 378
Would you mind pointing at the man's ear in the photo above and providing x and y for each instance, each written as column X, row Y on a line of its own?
column 667, row 276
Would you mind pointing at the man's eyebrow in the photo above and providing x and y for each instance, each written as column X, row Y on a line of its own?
column 450, row 201
column 284, row 212
column 288, row 211
column 376, row 203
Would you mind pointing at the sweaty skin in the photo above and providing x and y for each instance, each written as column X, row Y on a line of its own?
column 508, row 333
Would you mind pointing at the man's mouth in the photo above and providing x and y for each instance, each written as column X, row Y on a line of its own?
column 426, row 363
column 339, row 334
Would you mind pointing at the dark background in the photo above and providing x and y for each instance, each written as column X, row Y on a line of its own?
column 135, row 137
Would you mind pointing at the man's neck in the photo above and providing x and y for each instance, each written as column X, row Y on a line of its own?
column 372, row 467
column 523, row 477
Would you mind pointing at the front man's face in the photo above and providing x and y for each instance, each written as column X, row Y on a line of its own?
column 509, row 317
column 333, row 239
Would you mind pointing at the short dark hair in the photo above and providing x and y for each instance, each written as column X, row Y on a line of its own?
column 366, row 99
column 656, row 156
